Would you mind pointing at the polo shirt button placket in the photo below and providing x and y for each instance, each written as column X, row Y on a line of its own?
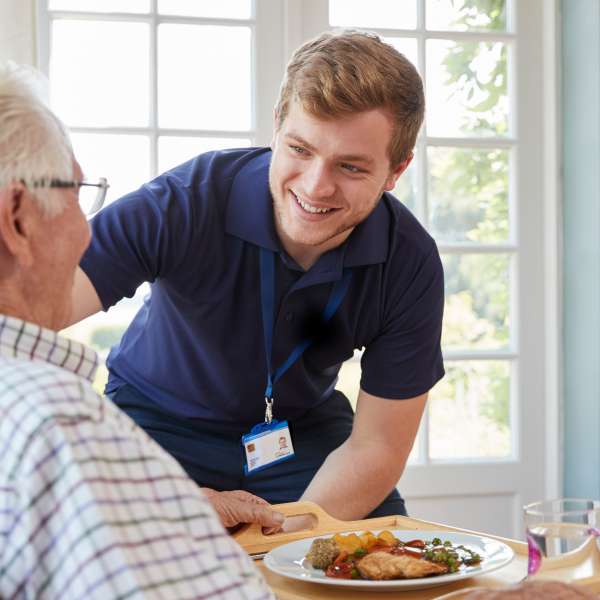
column 289, row 316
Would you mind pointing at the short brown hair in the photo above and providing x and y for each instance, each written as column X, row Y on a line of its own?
column 340, row 73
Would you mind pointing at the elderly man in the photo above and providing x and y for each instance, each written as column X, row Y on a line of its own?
column 90, row 506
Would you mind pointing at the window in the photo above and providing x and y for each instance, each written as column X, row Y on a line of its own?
column 141, row 92
column 459, row 185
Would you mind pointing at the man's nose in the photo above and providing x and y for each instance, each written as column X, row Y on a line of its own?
column 319, row 182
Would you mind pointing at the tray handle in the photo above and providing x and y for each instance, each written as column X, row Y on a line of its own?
column 253, row 540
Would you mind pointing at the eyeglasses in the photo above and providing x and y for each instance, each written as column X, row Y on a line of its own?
column 90, row 199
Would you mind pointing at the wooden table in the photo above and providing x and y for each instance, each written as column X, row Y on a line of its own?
column 582, row 567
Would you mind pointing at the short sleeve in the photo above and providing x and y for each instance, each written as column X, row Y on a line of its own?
column 405, row 359
column 139, row 238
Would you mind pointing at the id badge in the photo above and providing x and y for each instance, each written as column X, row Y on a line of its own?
column 267, row 444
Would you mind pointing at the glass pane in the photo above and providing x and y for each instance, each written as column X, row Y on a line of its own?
column 173, row 151
column 216, row 94
column 466, row 15
column 376, row 13
column 406, row 187
column 468, row 195
column 123, row 159
column 469, row 411
column 99, row 72
column 466, row 88
column 105, row 6
column 349, row 380
column 232, row 9
column 407, row 46
column 476, row 313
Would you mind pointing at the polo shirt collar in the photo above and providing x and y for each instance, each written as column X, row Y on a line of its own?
column 250, row 217
column 250, row 206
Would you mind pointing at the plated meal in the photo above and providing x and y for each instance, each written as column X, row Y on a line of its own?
column 388, row 560
column 384, row 556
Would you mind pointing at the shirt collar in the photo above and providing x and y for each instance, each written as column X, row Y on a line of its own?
column 250, row 217
column 20, row 339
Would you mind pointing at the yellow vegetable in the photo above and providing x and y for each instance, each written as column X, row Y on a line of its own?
column 350, row 543
column 387, row 538
column 368, row 539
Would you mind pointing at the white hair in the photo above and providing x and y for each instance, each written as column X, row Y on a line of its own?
column 34, row 144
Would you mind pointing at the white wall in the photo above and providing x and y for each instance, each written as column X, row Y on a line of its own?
column 17, row 31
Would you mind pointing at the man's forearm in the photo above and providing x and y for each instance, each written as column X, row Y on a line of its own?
column 86, row 301
column 355, row 479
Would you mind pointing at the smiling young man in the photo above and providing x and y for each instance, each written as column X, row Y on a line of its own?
column 268, row 268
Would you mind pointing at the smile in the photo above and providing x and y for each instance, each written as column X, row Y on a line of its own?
column 310, row 208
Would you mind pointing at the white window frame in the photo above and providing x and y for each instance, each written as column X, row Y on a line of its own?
column 264, row 18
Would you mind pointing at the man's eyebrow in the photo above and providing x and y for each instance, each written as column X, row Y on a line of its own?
column 299, row 139
column 363, row 158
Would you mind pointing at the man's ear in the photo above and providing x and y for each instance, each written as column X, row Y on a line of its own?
column 390, row 183
column 16, row 214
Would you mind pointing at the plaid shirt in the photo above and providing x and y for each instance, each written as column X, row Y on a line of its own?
column 90, row 506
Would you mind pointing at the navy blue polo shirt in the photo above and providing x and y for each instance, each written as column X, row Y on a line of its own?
column 196, row 346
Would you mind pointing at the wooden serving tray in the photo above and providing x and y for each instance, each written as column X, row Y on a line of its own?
column 582, row 568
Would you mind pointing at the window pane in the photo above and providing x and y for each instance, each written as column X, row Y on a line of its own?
column 122, row 159
column 476, row 314
column 376, row 13
column 406, row 187
column 469, row 411
column 466, row 88
column 173, row 151
column 468, row 195
column 466, row 15
column 407, row 46
column 99, row 72
column 210, row 94
column 232, row 9
column 129, row 6
column 349, row 380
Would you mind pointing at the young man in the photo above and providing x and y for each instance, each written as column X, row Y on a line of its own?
column 269, row 267
column 90, row 506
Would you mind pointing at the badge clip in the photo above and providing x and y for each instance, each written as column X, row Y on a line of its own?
column 268, row 410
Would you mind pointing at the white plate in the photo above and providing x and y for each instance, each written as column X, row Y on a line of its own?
column 288, row 560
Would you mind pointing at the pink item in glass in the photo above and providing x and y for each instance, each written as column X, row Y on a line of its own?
column 535, row 556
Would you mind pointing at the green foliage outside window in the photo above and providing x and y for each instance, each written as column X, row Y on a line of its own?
column 474, row 204
column 106, row 336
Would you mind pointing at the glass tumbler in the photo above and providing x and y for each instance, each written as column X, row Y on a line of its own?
column 560, row 532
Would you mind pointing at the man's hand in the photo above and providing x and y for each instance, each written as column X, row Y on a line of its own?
column 238, row 507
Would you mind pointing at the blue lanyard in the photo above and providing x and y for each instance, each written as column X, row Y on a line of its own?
column 267, row 296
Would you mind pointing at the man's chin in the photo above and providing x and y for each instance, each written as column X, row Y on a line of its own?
column 307, row 241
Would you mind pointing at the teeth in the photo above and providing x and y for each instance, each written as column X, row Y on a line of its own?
column 309, row 208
